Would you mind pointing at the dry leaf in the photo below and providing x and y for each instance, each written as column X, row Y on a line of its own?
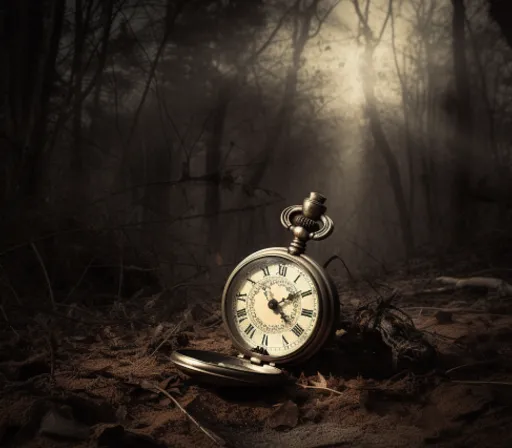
column 218, row 259
column 285, row 416
column 322, row 382
column 302, row 379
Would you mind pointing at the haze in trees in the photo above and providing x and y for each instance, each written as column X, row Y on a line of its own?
column 147, row 146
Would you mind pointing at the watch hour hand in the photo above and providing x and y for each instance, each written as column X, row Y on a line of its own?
column 290, row 296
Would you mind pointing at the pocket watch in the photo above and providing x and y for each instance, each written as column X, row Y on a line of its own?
column 279, row 308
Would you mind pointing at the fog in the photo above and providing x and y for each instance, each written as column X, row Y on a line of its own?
column 166, row 137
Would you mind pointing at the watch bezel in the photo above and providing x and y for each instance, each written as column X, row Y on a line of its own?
column 328, row 308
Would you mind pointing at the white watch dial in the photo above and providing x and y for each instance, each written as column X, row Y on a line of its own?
column 274, row 306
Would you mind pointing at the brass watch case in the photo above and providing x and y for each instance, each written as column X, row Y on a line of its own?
column 328, row 308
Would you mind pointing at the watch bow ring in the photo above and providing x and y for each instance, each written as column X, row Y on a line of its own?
column 307, row 222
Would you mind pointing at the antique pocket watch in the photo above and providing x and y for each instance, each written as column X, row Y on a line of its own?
column 279, row 307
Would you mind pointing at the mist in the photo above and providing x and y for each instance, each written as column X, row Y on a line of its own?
column 147, row 146
column 179, row 131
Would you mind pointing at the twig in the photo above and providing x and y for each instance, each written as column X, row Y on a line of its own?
column 153, row 387
column 169, row 221
column 320, row 388
column 52, row 346
column 45, row 272
column 483, row 383
column 336, row 257
column 121, row 273
column 429, row 291
column 4, row 314
column 471, row 364
column 453, row 310
column 337, row 391
column 7, row 282
column 79, row 280
column 171, row 332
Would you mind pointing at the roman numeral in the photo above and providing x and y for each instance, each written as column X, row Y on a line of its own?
column 264, row 339
column 241, row 297
column 252, row 281
column 306, row 293
column 242, row 315
column 250, row 330
column 306, row 313
column 283, row 270
column 266, row 271
column 297, row 330
column 295, row 281
column 284, row 340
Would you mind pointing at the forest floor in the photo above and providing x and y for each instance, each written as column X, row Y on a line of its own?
column 87, row 376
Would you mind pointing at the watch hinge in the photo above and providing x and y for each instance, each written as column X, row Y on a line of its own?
column 254, row 360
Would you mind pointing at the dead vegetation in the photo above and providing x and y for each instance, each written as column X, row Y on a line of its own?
column 418, row 360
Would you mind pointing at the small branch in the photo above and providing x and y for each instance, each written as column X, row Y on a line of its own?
column 479, row 282
column 472, row 364
column 45, row 272
column 452, row 310
column 336, row 257
column 321, row 20
column 171, row 220
column 321, row 388
column 483, row 383
column 78, row 283
column 425, row 292
column 153, row 387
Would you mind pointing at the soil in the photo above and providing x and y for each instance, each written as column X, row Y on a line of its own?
column 100, row 375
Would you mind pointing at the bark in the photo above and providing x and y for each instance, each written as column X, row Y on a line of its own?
column 463, row 126
column 213, row 163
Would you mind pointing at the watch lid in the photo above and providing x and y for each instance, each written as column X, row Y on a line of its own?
column 227, row 371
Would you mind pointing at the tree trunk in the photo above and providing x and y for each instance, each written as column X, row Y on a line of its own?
column 213, row 164
column 428, row 174
column 383, row 147
column 30, row 39
column 463, row 127
column 107, row 18
column 281, row 122
column 77, row 164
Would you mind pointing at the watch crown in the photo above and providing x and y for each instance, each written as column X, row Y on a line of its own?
column 313, row 206
column 307, row 222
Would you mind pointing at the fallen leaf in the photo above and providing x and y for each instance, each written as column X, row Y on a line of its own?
column 322, row 382
column 285, row 416
column 218, row 259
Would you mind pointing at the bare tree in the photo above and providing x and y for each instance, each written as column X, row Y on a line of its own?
column 381, row 143
column 30, row 47
column 463, row 124
column 302, row 15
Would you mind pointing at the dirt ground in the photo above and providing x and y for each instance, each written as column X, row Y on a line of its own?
column 99, row 374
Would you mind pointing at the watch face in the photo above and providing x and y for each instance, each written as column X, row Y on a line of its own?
column 272, row 305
